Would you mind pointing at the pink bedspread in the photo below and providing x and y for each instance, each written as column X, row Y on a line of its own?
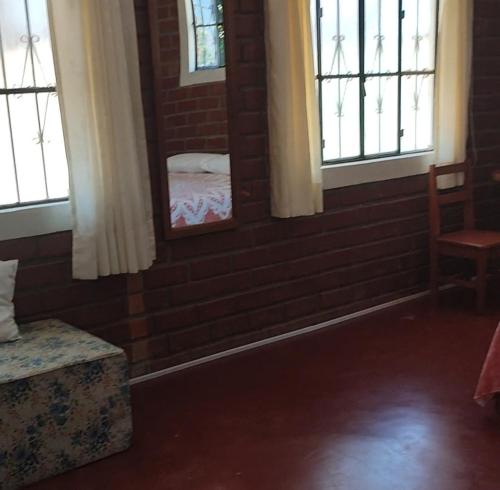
column 197, row 198
column 489, row 381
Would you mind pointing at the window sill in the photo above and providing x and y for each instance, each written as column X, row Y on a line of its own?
column 202, row 76
column 36, row 220
column 348, row 174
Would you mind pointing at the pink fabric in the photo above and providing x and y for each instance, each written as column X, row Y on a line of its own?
column 489, row 381
column 197, row 198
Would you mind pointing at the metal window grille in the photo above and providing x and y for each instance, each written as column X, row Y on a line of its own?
column 28, row 95
column 367, row 83
column 208, row 25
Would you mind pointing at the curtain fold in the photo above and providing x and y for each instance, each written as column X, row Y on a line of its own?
column 294, row 127
column 97, row 65
column 453, row 82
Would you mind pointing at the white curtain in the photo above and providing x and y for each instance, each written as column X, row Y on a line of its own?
column 95, row 50
column 453, row 81
column 294, row 131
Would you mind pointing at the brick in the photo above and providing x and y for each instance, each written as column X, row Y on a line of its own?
column 211, row 267
column 188, row 339
column 218, row 308
column 213, row 287
column 253, row 212
column 211, row 292
column 135, row 283
column 22, row 249
column 159, row 347
column 302, row 307
column 165, row 275
column 135, row 304
column 272, row 274
column 55, row 245
column 83, row 293
column 233, row 325
column 156, row 299
column 213, row 243
column 174, row 319
column 139, row 350
column 115, row 333
column 138, row 328
column 266, row 317
column 42, row 275
column 28, row 305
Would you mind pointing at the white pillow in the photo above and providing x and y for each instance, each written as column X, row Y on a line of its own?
column 195, row 163
column 218, row 164
column 191, row 163
column 8, row 327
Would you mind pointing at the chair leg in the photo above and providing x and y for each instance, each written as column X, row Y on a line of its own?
column 482, row 268
column 434, row 277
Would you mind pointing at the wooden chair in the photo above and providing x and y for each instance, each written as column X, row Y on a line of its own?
column 477, row 245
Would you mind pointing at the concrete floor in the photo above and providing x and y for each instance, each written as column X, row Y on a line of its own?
column 382, row 403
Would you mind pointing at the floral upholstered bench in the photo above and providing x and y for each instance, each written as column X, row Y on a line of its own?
column 64, row 402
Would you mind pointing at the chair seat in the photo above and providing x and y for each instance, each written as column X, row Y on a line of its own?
column 472, row 238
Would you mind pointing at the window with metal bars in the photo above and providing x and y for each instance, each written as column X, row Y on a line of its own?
column 33, row 165
column 375, row 71
column 208, row 24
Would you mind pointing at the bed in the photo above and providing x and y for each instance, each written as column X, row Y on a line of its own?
column 488, row 386
column 198, row 198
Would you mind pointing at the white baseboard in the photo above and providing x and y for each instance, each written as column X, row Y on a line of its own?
column 279, row 338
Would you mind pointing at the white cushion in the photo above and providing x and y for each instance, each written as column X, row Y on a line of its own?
column 217, row 164
column 195, row 163
column 8, row 327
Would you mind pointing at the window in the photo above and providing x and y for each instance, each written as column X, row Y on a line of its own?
column 202, row 43
column 33, row 166
column 209, row 34
column 376, row 66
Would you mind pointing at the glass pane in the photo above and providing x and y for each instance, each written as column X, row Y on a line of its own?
column 381, row 36
column 341, row 118
column 207, row 46
column 340, row 37
column 8, row 192
column 2, row 74
column 15, row 44
column 220, row 11
column 222, row 47
column 419, row 35
column 53, row 146
column 42, row 49
column 417, row 94
column 381, row 115
column 205, row 12
column 27, row 148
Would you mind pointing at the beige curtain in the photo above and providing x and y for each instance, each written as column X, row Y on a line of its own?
column 294, row 134
column 95, row 48
column 453, row 80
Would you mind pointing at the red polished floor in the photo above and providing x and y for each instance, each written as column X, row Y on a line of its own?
column 384, row 403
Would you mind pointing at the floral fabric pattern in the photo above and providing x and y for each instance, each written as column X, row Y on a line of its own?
column 64, row 402
column 197, row 198
column 48, row 345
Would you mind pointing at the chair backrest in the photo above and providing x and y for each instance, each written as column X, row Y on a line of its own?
column 460, row 194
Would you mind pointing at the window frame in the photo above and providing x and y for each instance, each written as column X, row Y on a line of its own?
column 369, row 171
column 362, row 76
column 28, row 90
column 35, row 220
column 31, row 218
column 189, row 75
column 196, row 26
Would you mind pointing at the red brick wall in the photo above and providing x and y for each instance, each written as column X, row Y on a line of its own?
column 209, row 293
column 194, row 117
